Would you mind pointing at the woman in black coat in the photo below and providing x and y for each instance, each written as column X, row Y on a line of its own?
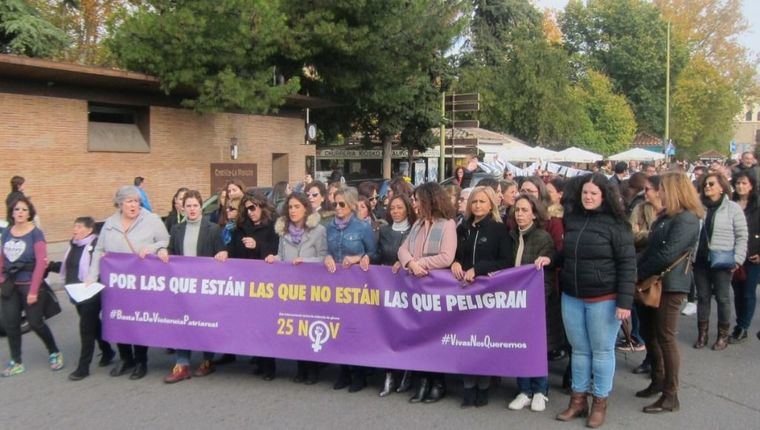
column 746, row 277
column 483, row 246
column 254, row 239
column 401, row 215
column 672, row 238
column 208, row 243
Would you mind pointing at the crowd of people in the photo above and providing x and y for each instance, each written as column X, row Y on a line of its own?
column 594, row 236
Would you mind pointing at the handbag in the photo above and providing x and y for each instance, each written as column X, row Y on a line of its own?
column 649, row 291
column 721, row 259
column 49, row 301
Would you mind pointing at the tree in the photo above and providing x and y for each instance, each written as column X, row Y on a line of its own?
column 225, row 50
column 626, row 40
column 23, row 31
column 382, row 61
column 611, row 124
column 522, row 76
column 704, row 108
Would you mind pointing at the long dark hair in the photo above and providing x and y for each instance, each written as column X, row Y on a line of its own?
column 267, row 211
column 752, row 198
column 410, row 215
column 433, row 202
column 611, row 201
column 301, row 198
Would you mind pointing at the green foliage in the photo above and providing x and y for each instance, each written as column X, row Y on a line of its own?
column 24, row 32
column 626, row 40
column 704, row 108
column 611, row 124
column 225, row 50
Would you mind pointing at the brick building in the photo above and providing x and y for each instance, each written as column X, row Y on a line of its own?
column 77, row 133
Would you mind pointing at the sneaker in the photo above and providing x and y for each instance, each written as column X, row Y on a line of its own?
column 634, row 347
column 689, row 309
column 13, row 369
column 522, row 400
column 56, row 361
column 538, row 404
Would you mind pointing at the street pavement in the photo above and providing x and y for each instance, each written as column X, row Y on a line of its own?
column 718, row 390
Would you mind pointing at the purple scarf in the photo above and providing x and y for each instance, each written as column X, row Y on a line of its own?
column 296, row 234
column 340, row 224
column 84, row 262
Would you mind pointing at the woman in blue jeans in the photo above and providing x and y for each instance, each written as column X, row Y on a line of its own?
column 598, row 277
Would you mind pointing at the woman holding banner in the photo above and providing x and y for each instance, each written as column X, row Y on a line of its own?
column 131, row 230
column 391, row 237
column 483, row 246
column 302, row 240
column 534, row 245
column 254, row 239
column 598, row 278
column 431, row 244
column 196, row 237
column 349, row 241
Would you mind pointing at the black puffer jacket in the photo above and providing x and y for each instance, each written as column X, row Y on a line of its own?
column 486, row 246
column 669, row 239
column 598, row 257
column 752, row 212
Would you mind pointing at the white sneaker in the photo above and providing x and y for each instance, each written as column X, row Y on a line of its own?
column 521, row 401
column 538, row 404
column 689, row 309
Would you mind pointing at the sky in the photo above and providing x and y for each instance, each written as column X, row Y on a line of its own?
column 751, row 11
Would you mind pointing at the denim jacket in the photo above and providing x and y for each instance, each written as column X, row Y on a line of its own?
column 356, row 239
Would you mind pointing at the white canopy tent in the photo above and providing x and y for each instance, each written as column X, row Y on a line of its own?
column 527, row 154
column 637, row 154
column 577, row 155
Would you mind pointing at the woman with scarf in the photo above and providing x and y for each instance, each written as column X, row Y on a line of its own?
column 349, row 241
column 73, row 270
column 483, row 246
column 302, row 240
column 254, row 239
column 431, row 244
column 391, row 237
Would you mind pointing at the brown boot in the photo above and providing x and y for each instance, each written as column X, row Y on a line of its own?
column 722, row 341
column 702, row 327
column 666, row 403
column 598, row 411
column 578, row 407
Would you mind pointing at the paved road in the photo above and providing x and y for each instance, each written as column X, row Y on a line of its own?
column 719, row 390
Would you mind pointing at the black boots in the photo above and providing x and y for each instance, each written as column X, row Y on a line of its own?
column 738, row 336
column 468, row 397
column 406, row 382
column 666, row 403
column 422, row 391
column 437, row 392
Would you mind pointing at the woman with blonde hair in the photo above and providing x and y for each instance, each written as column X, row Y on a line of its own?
column 671, row 242
column 483, row 246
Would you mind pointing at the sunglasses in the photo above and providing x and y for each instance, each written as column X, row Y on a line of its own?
column 341, row 204
column 710, row 184
column 372, row 199
column 313, row 195
column 252, row 207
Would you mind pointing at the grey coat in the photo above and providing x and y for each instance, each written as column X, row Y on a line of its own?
column 313, row 245
column 729, row 231
column 147, row 232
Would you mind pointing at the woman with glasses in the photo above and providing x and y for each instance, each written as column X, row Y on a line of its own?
column 483, row 246
column 23, row 259
column 349, row 241
column 391, row 237
column 254, row 239
column 132, row 230
column 368, row 190
column 672, row 238
column 431, row 244
column 302, row 240
column 317, row 195
column 745, row 284
column 722, row 249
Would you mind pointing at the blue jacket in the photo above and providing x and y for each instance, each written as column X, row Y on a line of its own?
column 356, row 239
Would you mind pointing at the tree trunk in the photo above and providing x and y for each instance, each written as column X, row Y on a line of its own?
column 387, row 152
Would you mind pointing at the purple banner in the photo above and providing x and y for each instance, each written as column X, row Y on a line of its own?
column 494, row 326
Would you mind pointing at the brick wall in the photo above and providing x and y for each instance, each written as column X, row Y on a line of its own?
column 44, row 139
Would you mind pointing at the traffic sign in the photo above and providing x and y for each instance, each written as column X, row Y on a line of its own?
column 732, row 147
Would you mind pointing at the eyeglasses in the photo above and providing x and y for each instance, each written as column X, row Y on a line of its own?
column 231, row 209
column 341, row 204
column 252, row 207
column 313, row 195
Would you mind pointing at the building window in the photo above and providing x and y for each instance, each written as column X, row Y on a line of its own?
column 748, row 116
column 117, row 128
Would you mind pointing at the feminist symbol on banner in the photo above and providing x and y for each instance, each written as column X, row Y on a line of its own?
column 319, row 334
